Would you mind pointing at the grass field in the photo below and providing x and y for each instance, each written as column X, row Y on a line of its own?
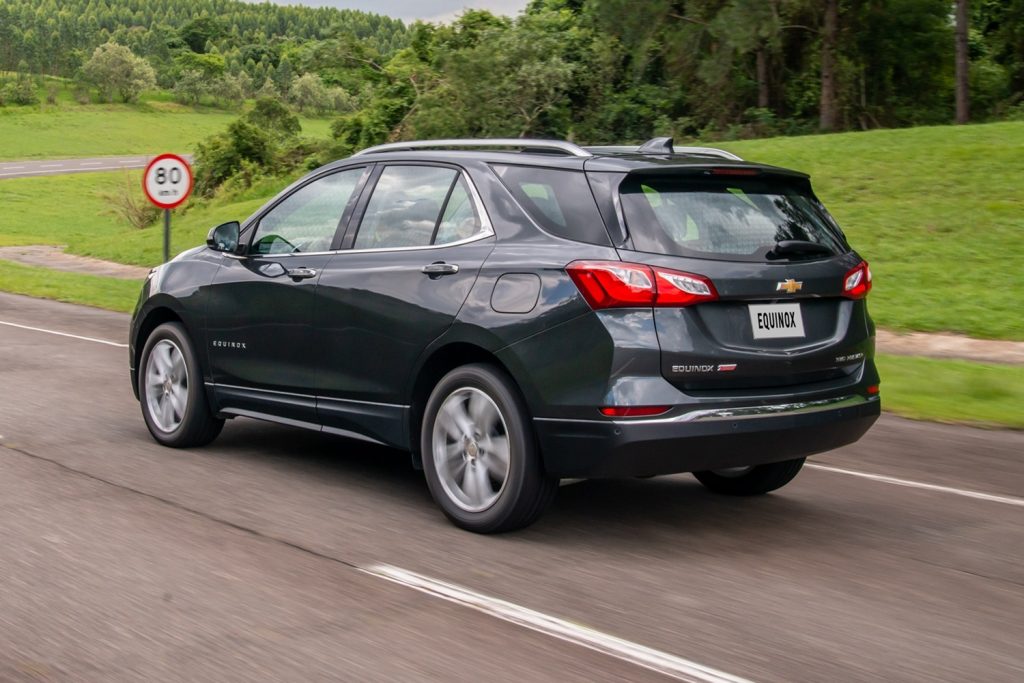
column 953, row 391
column 66, row 130
column 938, row 212
column 75, row 288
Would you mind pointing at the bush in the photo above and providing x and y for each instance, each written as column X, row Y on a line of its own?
column 223, row 155
column 22, row 90
column 127, row 202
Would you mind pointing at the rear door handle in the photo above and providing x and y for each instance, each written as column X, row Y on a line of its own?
column 440, row 268
column 301, row 273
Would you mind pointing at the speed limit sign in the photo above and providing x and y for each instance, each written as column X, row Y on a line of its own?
column 167, row 183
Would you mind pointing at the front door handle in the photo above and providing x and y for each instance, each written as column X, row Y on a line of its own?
column 301, row 273
column 440, row 268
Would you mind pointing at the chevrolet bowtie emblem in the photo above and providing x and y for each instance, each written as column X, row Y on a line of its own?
column 789, row 287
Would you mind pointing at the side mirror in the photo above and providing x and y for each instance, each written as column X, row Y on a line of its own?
column 224, row 237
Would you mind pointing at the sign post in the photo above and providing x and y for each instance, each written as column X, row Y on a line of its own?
column 167, row 183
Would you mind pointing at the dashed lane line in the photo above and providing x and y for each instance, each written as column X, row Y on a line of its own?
column 895, row 481
column 64, row 334
column 663, row 663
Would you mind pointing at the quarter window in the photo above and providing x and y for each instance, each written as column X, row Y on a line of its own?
column 557, row 200
column 415, row 206
column 307, row 219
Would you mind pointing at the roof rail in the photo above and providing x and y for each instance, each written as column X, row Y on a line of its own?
column 663, row 146
column 709, row 151
column 526, row 144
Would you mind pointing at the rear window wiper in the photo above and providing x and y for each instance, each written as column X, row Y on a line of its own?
column 789, row 247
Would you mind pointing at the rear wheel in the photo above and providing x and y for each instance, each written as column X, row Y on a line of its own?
column 171, row 390
column 750, row 481
column 479, row 454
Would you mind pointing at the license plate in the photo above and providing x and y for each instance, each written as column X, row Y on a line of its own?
column 776, row 321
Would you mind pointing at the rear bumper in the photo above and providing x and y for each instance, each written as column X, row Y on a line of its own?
column 703, row 439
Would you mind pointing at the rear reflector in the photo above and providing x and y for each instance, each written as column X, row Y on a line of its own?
column 616, row 284
column 857, row 281
column 634, row 411
column 873, row 389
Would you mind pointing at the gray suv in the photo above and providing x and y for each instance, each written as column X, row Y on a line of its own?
column 514, row 312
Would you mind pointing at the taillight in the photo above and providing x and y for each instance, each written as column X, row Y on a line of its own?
column 682, row 289
column 615, row 284
column 612, row 284
column 857, row 282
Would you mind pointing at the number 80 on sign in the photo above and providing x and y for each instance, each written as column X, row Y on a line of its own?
column 167, row 181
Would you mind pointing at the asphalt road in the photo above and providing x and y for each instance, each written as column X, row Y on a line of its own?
column 255, row 558
column 24, row 169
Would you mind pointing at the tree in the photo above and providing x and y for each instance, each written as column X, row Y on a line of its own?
column 308, row 93
column 268, row 114
column 191, row 86
column 200, row 31
column 114, row 68
column 829, row 108
column 963, row 63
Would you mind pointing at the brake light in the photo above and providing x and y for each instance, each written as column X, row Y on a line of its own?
column 615, row 284
column 634, row 411
column 735, row 171
column 857, row 281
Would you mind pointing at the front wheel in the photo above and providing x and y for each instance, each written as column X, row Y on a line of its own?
column 480, row 458
column 171, row 390
column 750, row 481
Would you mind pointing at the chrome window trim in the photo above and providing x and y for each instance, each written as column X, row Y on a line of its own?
column 486, row 227
column 300, row 254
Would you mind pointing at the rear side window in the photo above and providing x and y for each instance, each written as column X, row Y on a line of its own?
column 557, row 200
column 735, row 218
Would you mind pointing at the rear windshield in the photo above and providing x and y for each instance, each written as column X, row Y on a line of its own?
column 734, row 218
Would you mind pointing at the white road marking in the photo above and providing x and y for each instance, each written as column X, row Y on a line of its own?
column 625, row 650
column 91, row 163
column 966, row 493
column 51, row 165
column 65, row 334
column 26, row 174
column 10, row 168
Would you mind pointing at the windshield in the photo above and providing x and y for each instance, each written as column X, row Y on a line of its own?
column 733, row 218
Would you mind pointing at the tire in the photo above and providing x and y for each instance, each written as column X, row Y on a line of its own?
column 750, row 481
column 171, row 392
column 480, row 456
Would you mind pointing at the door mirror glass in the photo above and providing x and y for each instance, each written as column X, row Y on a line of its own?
column 224, row 237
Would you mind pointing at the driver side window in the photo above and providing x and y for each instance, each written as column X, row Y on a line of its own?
column 306, row 220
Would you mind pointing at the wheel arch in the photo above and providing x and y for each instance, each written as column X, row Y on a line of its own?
column 155, row 317
column 436, row 365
